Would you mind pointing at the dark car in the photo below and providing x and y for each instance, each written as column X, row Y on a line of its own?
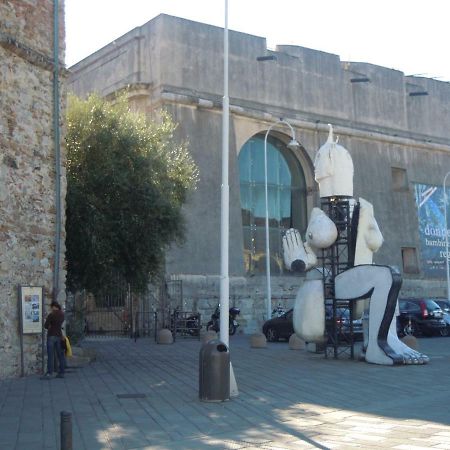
column 444, row 304
column 282, row 327
column 420, row 316
column 343, row 323
column 279, row 327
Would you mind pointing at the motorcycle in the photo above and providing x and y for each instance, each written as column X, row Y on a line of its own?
column 214, row 323
column 278, row 311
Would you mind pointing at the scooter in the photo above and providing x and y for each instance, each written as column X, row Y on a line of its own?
column 214, row 323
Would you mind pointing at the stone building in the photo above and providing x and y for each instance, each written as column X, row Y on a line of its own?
column 30, row 233
column 394, row 126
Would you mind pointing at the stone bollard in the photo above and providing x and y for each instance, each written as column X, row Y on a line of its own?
column 258, row 340
column 164, row 336
column 296, row 343
column 208, row 336
column 411, row 342
column 66, row 430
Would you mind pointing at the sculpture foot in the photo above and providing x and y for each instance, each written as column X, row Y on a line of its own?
column 410, row 355
column 394, row 352
column 375, row 355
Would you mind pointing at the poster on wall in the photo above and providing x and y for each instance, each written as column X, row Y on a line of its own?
column 30, row 302
column 432, row 229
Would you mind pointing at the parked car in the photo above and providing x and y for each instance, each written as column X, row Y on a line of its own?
column 445, row 306
column 282, row 327
column 279, row 327
column 420, row 316
column 343, row 323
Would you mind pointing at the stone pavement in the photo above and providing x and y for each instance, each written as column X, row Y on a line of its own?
column 288, row 399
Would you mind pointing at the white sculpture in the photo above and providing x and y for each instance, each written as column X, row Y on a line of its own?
column 333, row 167
column 334, row 172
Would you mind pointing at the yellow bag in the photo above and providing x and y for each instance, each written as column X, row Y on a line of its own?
column 68, row 347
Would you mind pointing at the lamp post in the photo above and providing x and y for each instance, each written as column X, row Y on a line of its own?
column 225, row 189
column 225, row 211
column 292, row 144
column 446, row 236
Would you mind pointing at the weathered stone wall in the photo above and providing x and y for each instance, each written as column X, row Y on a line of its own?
column 27, row 170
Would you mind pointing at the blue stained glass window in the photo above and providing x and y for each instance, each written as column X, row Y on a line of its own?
column 286, row 192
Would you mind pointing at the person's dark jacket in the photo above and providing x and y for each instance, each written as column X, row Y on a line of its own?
column 53, row 323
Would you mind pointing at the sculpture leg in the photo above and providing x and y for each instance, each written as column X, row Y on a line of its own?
column 381, row 284
column 309, row 312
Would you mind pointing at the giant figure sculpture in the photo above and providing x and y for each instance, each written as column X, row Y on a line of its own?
column 363, row 280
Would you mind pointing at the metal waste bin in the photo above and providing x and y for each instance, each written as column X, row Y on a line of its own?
column 214, row 372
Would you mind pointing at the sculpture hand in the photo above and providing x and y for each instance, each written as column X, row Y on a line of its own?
column 294, row 253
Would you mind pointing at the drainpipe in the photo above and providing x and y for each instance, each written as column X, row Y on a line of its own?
column 56, row 131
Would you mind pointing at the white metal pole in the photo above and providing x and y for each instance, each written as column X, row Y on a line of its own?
column 446, row 236
column 225, row 212
column 268, row 282
column 268, row 288
column 224, row 222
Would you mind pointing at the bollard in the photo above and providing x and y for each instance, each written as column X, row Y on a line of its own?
column 66, row 430
column 214, row 372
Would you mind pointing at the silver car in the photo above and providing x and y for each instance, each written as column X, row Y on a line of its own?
column 445, row 306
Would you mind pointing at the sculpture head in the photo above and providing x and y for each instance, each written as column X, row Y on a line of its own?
column 333, row 168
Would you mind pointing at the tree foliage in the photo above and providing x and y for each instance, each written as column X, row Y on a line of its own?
column 127, row 180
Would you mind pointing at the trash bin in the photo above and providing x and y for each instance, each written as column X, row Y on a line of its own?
column 214, row 372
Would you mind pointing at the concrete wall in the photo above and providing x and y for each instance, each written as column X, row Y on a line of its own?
column 174, row 55
column 178, row 64
column 27, row 170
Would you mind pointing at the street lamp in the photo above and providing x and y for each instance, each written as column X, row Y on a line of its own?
column 446, row 235
column 225, row 210
column 225, row 202
column 293, row 144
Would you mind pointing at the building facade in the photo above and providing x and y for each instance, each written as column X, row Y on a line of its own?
column 393, row 125
column 30, row 181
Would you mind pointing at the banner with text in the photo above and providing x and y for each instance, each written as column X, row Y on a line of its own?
column 432, row 229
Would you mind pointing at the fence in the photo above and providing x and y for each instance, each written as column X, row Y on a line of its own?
column 120, row 313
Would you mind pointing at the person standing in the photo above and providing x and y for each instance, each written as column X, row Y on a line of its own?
column 53, row 325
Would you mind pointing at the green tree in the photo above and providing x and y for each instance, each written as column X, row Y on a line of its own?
column 127, row 179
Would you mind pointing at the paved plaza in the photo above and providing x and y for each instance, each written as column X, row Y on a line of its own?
column 143, row 395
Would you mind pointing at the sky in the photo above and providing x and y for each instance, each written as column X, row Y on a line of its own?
column 412, row 36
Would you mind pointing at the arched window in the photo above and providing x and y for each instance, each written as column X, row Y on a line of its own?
column 286, row 200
